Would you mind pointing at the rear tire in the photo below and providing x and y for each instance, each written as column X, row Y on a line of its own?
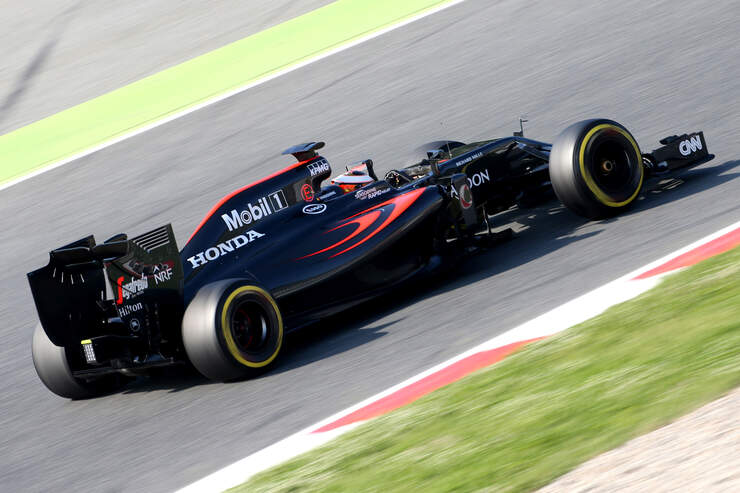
column 232, row 330
column 596, row 168
column 52, row 367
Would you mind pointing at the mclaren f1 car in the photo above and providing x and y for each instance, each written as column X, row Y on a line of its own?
column 286, row 251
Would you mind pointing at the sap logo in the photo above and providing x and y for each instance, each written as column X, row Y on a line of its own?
column 224, row 248
column 318, row 167
column 265, row 206
column 693, row 144
column 476, row 180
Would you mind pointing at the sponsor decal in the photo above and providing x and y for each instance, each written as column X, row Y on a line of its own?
column 127, row 310
column 162, row 273
column 469, row 158
column 224, row 248
column 136, row 268
column 476, row 180
column 371, row 193
column 466, row 196
column 130, row 289
column 368, row 223
column 688, row 146
column 134, row 325
column 252, row 212
column 307, row 192
column 314, row 208
column 479, row 178
column 89, row 351
column 318, row 167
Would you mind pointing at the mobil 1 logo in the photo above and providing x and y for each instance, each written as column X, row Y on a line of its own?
column 255, row 210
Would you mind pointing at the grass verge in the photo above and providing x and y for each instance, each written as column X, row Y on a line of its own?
column 175, row 89
column 523, row 422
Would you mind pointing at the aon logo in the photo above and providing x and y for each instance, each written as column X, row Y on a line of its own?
column 688, row 146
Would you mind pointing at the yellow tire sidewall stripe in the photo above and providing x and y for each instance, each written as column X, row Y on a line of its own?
column 226, row 329
column 590, row 183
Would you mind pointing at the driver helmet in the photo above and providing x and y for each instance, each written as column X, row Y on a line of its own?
column 355, row 177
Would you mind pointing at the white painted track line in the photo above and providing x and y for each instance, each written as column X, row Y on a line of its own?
column 567, row 315
column 226, row 95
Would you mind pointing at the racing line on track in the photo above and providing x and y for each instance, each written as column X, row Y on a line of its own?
column 488, row 353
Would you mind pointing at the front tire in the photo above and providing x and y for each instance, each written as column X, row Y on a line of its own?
column 596, row 168
column 231, row 330
column 52, row 366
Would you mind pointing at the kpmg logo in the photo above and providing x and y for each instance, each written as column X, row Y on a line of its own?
column 252, row 212
column 318, row 167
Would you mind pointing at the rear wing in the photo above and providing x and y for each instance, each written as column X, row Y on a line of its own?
column 148, row 282
column 85, row 285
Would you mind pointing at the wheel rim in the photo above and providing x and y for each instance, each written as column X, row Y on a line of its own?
column 610, row 165
column 249, row 326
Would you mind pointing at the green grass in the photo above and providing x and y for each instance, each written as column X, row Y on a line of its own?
column 81, row 127
column 520, row 424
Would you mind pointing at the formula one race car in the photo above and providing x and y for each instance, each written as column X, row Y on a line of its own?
column 284, row 252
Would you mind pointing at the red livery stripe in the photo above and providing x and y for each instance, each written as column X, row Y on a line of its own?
column 366, row 218
column 422, row 387
column 715, row 247
column 401, row 203
column 236, row 192
column 363, row 222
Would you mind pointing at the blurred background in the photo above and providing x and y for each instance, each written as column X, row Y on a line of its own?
column 465, row 73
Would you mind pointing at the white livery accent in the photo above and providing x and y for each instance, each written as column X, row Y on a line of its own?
column 224, row 248
column 571, row 313
column 688, row 146
column 265, row 206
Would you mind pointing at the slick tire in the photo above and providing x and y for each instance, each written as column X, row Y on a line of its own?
column 52, row 367
column 596, row 168
column 231, row 330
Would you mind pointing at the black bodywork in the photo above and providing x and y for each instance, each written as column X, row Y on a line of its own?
column 315, row 250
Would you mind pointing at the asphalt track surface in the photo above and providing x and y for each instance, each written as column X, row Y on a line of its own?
column 59, row 53
column 465, row 73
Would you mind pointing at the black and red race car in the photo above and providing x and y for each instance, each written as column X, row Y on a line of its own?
column 285, row 251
